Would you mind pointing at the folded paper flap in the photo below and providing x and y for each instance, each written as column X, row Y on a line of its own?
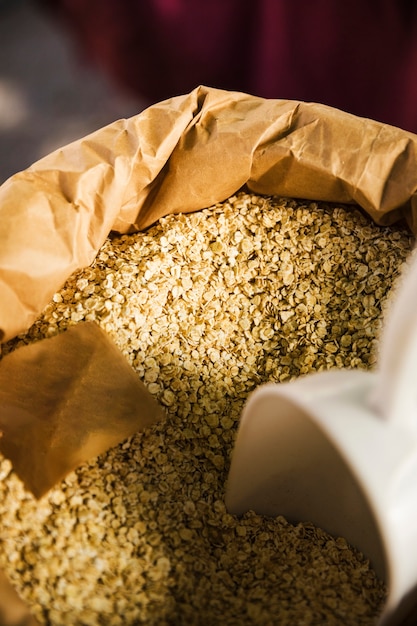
column 333, row 156
column 89, row 400
column 182, row 155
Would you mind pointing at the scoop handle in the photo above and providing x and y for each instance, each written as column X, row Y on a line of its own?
column 396, row 394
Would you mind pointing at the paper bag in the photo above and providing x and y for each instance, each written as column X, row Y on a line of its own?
column 182, row 155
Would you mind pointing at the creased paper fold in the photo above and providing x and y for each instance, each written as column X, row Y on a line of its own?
column 182, row 155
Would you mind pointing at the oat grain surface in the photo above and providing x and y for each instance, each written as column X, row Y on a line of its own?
column 205, row 307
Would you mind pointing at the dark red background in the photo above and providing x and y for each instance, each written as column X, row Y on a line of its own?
column 360, row 56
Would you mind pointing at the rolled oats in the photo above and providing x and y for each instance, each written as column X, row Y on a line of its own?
column 205, row 307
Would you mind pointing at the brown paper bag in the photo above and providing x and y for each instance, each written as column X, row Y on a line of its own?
column 182, row 155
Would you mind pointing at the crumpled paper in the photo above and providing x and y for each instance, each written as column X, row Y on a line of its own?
column 182, row 155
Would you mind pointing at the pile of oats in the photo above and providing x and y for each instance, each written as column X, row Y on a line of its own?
column 205, row 307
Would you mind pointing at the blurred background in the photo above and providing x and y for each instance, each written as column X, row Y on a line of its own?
column 69, row 67
column 48, row 95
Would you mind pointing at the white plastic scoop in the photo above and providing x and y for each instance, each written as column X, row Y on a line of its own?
column 339, row 449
